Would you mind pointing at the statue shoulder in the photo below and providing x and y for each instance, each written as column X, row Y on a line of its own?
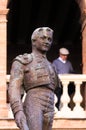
column 24, row 59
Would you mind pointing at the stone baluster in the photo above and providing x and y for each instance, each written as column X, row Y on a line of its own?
column 65, row 99
column 55, row 108
column 78, row 111
column 77, row 97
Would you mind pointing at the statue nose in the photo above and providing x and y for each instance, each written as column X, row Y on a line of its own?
column 47, row 41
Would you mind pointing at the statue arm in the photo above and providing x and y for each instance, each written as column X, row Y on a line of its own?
column 15, row 83
column 14, row 92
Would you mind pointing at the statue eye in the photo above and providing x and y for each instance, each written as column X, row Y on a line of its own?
column 43, row 37
column 49, row 39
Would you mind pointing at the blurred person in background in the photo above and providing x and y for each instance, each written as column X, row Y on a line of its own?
column 63, row 66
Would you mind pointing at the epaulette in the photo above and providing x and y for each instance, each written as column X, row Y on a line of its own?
column 24, row 59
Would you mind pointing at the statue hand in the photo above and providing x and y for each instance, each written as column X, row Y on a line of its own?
column 20, row 120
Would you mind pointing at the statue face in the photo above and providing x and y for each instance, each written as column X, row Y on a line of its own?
column 44, row 40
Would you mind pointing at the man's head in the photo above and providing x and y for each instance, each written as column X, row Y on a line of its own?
column 42, row 38
column 64, row 53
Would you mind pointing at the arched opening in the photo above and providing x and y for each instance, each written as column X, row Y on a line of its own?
column 62, row 17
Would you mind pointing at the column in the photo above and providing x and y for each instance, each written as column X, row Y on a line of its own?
column 84, row 43
column 82, row 5
column 83, row 19
column 3, row 53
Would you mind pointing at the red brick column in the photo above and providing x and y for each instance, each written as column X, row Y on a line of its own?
column 3, row 12
column 84, row 44
column 82, row 5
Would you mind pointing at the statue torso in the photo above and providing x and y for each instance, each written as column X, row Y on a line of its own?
column 39, row 73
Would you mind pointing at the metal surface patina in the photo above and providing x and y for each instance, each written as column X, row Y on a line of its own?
column 35, row 74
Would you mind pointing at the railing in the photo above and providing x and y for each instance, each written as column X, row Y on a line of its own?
column 75, row 110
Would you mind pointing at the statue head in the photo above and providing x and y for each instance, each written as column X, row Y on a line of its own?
column 42, row 38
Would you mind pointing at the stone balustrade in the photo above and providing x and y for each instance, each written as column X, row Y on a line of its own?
column 77, row 111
